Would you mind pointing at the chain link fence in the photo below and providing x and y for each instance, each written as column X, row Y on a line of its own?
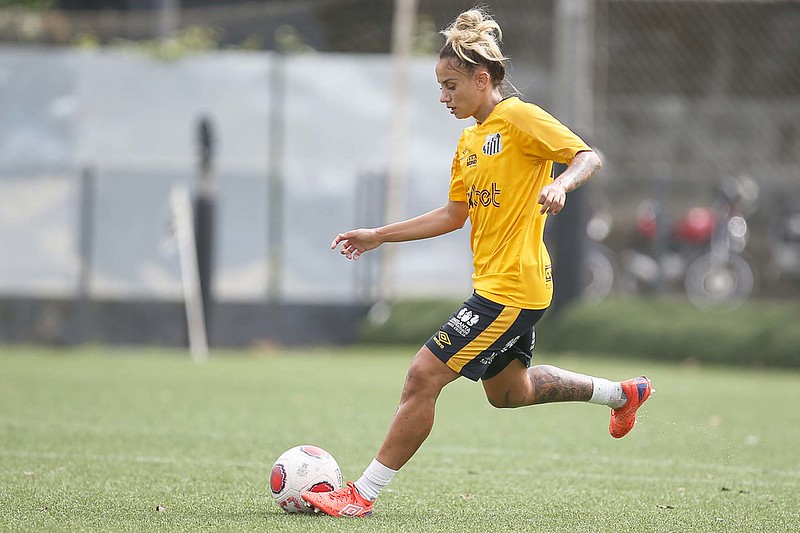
column 683, row 93
column 707, row 87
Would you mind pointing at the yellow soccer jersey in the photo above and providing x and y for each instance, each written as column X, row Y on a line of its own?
column 499, row 169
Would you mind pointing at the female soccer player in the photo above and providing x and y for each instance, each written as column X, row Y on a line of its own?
column 501, row 179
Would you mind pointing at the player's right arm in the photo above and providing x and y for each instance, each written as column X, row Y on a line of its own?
column 445, row 219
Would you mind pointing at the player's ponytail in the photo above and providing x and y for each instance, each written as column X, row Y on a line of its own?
column 473, row 41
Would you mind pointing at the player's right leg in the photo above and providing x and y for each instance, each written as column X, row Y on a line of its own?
column 413, row 420
column 411, row 425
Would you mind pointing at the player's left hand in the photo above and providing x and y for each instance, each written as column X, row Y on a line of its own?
column 552, row 198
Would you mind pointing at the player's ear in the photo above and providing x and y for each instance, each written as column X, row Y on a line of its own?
column 482, row 79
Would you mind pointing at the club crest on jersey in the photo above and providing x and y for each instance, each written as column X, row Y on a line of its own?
column 493, row 144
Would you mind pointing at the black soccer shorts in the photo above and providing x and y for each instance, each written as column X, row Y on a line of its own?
column 483, row 337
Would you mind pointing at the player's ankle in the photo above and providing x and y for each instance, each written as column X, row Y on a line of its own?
column 605, row 392
column 374, row 480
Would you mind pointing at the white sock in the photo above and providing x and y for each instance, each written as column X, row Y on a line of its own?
column 374, row 478
column 605, row 392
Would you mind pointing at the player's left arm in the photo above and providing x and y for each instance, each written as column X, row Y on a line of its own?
column 554, row 195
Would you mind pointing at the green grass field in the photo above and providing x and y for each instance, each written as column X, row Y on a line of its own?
column 99, row 439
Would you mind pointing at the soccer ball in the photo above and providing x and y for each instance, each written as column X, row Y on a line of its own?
column 300, row 469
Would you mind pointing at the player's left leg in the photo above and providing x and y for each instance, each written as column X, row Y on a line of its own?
column 518, row 386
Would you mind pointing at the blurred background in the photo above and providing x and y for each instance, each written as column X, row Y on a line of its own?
column 290, row 121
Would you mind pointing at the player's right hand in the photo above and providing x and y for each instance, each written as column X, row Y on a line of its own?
column 356, row 242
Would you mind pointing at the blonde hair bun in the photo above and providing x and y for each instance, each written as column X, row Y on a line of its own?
column 475, row 31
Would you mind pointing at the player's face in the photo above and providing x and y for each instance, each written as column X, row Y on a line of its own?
column 459, row 89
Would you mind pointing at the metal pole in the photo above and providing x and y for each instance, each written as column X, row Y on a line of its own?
column 402, row 36
column 275, row 190
column 661, row 181
column 181, row 209
column 574, row 64
column 573, row 98
column 204, row 203
column 86, row 231
column 85, row 241
column 168, row 17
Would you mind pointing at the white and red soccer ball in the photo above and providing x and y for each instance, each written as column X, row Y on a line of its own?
column 299, row 469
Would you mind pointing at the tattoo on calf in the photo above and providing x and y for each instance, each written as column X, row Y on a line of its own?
column 553, row 384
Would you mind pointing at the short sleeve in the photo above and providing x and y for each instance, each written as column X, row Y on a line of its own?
column 550, row 139
column 458, row 192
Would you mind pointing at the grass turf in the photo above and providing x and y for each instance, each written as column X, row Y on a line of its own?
column 127, row 440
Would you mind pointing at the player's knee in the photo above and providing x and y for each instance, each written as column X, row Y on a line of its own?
column 502, row 401
column 499, row 403
column 418, row 382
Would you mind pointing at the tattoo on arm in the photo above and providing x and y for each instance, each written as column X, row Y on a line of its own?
column 553, row 384
column 583, row 167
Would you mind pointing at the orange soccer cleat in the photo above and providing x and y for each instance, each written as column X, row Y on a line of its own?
column 637, row 391
column 346, row 501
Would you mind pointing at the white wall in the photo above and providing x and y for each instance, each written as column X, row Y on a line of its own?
column 133, row 119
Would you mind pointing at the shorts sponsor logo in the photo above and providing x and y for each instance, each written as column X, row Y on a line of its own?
column 489, row 358
column 509, row 344
column 468, row 317
column 460, row 328
column 441, row 339
column 463, row 320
